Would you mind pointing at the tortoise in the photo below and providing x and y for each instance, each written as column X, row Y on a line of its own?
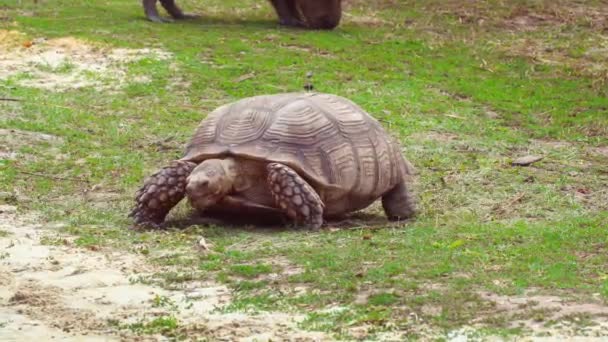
column 306, row 155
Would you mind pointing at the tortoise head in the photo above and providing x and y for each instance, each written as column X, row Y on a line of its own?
column 209, row 182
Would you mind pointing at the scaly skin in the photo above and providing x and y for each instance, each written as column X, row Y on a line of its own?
column 295, row 196
column 160, row 193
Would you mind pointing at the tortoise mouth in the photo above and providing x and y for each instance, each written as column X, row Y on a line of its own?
column 202, row 203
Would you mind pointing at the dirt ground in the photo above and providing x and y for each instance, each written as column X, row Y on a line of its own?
column 69, row 293
column 68, row 63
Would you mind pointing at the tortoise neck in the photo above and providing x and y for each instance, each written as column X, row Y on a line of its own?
column 232, row 170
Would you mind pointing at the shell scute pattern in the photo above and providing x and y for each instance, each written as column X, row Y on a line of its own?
column 327, row 138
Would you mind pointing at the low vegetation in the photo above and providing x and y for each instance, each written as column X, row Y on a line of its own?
column 467, row 87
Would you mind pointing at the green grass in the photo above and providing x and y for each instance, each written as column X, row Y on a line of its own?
column 464, row 98
column 163, row 325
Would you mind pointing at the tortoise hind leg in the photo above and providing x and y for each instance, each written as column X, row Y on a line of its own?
column 295, row 196
column 160, row 193
column 398, row 203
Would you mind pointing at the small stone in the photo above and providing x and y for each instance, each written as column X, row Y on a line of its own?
column 526, row 160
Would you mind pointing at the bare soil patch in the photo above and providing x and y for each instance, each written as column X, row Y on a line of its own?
column 67, row 63
column 69, row 292
column 13, row 140
column 549, row 315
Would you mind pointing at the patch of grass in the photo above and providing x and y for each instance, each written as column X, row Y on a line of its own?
column 4, row 233
column 247, row 285
column 166, row 325
column 466, row 87
column 63, row 68
column 384, row 299
column 163, row 302
column 54, row 240
column 254, row 303
column 250, row 271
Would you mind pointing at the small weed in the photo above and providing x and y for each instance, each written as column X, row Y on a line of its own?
column 55, row 240
column 63, row 68
column 166, row 325
column 255, row 303
column 163, row 302
column 247, row 285
column 382, row 299
column 250, row 271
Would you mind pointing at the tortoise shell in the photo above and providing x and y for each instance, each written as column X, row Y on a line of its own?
column 329, row 140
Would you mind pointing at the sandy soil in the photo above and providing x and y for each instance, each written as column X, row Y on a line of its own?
column 70, row 293
column 68, row 63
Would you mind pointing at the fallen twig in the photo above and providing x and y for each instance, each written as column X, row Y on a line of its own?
column 9, row 99
column 516, row 199
column 502, row 209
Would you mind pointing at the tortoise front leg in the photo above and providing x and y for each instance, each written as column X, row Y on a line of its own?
column 295, row 196
column 160, row 193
